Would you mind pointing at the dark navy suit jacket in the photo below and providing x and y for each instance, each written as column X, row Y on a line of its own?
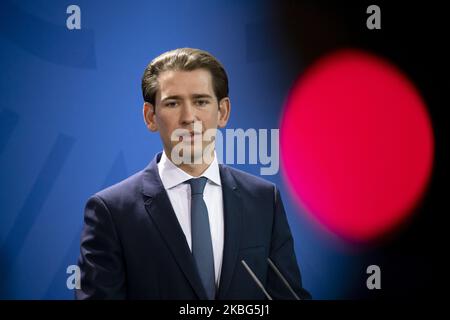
column 132, row 246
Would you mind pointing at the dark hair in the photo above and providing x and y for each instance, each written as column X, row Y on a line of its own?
column 184, row 59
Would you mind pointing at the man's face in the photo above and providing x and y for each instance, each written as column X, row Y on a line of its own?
column 186, row 100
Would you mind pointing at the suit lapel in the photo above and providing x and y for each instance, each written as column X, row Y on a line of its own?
column 233, row 224
column 161, row 212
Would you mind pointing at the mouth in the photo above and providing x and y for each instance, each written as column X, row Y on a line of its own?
column 191, row 136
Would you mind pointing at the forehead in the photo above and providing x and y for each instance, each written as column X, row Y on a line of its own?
column 173, row 82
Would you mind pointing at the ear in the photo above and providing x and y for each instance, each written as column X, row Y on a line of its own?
column 224, row 112
column 148, row 111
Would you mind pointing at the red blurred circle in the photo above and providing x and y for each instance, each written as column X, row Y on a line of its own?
column 356, row 144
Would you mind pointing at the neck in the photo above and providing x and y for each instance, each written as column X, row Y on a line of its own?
column 194, row 169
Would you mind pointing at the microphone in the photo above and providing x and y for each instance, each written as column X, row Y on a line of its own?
column 255, row 278
column 277, row 272
column 286, row 283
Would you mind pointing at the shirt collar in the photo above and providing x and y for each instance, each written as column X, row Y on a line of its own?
column 172, row 176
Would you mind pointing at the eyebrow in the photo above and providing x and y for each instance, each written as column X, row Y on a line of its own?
column 197, row 96
column 194, row 96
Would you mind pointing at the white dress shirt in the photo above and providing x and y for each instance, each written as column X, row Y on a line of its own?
column 179, row 193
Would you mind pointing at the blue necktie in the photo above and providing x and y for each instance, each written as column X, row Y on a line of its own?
column 201, row 237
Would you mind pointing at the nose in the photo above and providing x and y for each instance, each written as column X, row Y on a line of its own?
column 188, row 115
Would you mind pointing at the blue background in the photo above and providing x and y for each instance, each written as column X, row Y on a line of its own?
column 71, row 124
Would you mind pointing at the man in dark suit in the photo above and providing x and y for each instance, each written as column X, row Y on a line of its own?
column 180, row 228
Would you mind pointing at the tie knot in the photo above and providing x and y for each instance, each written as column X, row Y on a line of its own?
column 197, row 185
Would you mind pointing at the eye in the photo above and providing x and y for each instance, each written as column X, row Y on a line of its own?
column 201, row 102
column 171, row 104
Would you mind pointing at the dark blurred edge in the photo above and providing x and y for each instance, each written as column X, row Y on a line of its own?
column 413, row 36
